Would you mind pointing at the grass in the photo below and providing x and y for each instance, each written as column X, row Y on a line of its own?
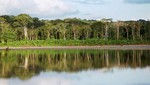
column 89, row 42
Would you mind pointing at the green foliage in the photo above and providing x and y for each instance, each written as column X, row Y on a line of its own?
column 22, row 20
column 54, row 42
column 8, row 36
column 27, row 30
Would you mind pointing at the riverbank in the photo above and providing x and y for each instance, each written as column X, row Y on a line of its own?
column 109, row 47
column 54, row 42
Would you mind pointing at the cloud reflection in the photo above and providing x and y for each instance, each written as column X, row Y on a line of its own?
column 115, row 76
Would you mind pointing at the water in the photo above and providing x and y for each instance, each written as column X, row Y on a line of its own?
column 75, row 67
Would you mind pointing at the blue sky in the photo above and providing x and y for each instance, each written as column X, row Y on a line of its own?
column 85, row 9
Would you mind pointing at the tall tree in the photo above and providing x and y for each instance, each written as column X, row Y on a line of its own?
column 6, row 32
column 118, row 25
column 98, row 29
column 2, row 28
column 132, row 25
column 62, row 29
column 86, row 31
column 75, row 25
column 138, row 29
column 2, row 22
column 127, row 30
column 23, row 20
column 107, row 23
column 48, row 27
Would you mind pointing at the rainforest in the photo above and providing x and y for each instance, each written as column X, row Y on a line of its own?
column 24, row 30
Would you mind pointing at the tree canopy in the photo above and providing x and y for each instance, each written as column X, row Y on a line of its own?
column 23, row 26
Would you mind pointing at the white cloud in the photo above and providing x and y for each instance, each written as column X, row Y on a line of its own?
column 90, row 1
column 40, row 8
column 4, row 81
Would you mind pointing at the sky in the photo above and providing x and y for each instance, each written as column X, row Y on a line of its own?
column 84, row 9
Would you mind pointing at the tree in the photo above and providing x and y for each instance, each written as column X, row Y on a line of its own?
column 107, row 23
column 62, row 29
column 23, row 20
column 48, row 27
column 132, row 25
column 75, row 25
column 6, row 33
column 32, row 34
column 118, row 25
column 97, row 29
column 2, row 22
column 138, row 29
column 86, row 30
column 127, row 29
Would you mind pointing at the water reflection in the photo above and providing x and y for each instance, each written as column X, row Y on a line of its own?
column 75, row 67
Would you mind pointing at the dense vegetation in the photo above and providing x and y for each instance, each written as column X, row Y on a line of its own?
column 32, row 31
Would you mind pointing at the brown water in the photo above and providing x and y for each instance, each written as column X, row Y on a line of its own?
column 75, row 67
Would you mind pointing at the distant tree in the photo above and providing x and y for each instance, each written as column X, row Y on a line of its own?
column 86, row 31
column 48, row 27
column 132, row 25
column 138, row 29
column 118, row 25
column 75, row 25
column 6, row 32
column 107, row 23
column 23, row 20
column 127, row 30
column 98, row 29
column 9, row 19
column 2, row 28
column 2, row 22
column 62, row 29
column 37, row 23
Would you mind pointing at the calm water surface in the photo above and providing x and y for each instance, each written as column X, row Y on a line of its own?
column 75, row 67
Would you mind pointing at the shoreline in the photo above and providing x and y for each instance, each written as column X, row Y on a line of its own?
column 103, row 47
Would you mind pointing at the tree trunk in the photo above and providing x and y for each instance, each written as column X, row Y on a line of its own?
column 64, row 35
column 74, row 35
column 133, row 33
column 127, row 33
column 87, row 35
column 118, row 33
column 48, row 35
column 106, row 32
column 139, row 33
column 25, row 32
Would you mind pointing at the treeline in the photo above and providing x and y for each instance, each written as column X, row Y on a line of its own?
column 25, row 27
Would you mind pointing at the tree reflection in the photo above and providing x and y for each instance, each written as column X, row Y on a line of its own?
column 25, row 64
